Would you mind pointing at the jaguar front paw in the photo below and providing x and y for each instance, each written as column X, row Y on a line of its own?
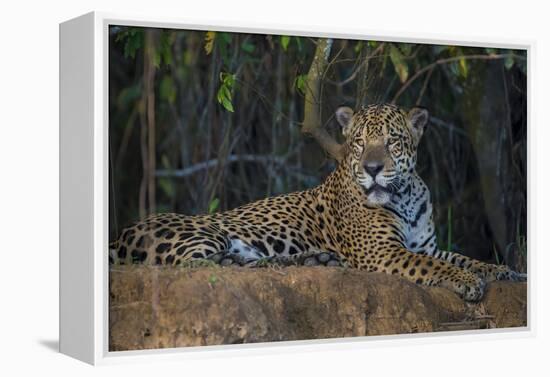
column 507, row 273
column 469, row 287
column 492, row 272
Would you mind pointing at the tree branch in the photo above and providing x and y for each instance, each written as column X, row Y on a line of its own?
column 312, row 119
column 431, row 66
column 180, row 173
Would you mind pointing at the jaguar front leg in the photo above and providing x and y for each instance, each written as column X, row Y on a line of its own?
column 487, row 271
column 426, row 270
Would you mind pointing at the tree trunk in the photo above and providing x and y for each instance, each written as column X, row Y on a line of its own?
column 486, row 119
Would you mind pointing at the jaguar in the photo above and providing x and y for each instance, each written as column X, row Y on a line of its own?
column 373, row 212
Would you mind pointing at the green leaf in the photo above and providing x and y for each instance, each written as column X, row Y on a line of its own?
column 300, row 83
column 227, row 104
column 226, row 37
column 247, row 47
column 285, row 40
column 463, row 67
column 167, row 38
column 213, row 206
column 228, row 79
column 220, row 95
column 167, row 89
column 212, row 279
column 209, row 41
column 299, row 43
column 225, row 92
column 399, row 63
column 156, row 59
column 405, row 48
column 133, row 41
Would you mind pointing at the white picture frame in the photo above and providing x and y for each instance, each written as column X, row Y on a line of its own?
column 84, row 191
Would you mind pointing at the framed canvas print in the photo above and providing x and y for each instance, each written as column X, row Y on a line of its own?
column 224, row 187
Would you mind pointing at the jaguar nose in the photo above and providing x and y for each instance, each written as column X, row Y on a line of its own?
column 373, row 167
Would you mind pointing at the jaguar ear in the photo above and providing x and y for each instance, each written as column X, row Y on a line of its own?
column 343, row 116
column 418, row 116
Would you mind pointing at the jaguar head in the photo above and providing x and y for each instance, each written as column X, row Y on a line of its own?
column 382, row 141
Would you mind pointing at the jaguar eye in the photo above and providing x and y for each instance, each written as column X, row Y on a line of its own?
column 394, row 145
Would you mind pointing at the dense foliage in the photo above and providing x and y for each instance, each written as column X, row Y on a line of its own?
column 206, row 121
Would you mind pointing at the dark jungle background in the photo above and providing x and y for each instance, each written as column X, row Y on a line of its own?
column 206, row 121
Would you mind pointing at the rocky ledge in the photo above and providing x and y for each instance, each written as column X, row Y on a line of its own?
column 157, row 307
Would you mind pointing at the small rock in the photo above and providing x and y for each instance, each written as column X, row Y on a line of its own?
column 333, row 263
column 216, row 258
column 226, row 262
column 323, row 257
column 311, row 261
